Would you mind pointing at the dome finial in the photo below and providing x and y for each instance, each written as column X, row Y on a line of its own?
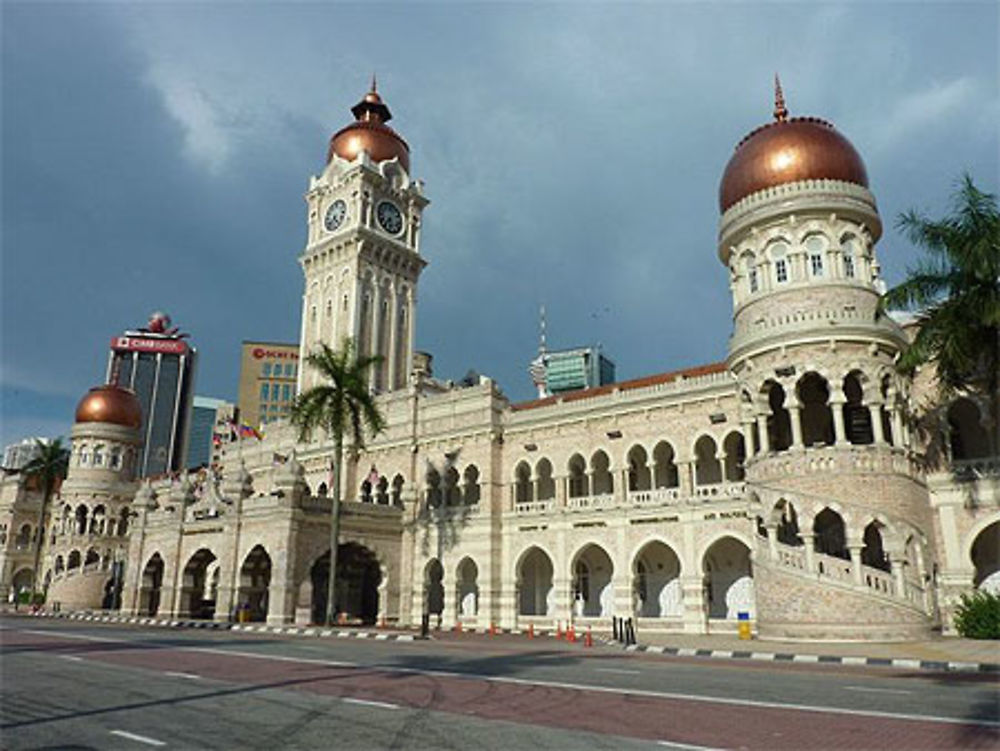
column 374, row 84
column 780, row 111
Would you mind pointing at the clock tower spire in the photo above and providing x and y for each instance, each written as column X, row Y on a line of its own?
column 362, row 257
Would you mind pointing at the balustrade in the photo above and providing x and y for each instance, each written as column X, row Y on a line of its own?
column 534, row 507
column 591, row 501
column 656, row 497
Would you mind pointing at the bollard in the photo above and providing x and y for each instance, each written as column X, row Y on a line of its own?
column 614, row 627
column 531, row 630
column 744, row 625
column 425, row 625
column 589, row 640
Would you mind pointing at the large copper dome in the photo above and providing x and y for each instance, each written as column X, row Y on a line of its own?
column 111, row 404
column 370, row 133
column 786, row 151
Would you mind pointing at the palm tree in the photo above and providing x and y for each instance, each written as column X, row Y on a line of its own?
column 48, row 467
column 340, row 406
column 956, row 290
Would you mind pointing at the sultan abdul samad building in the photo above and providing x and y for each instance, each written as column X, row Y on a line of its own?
column 790, row 481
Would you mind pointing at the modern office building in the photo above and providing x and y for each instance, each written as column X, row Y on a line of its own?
column 574, row 369
column 211, row 421
column 158, row 365
column 268, row 373
column 17, row 455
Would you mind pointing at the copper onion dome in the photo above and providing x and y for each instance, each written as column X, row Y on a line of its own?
column 370, row 133
column 112, row 404
column 786, row 151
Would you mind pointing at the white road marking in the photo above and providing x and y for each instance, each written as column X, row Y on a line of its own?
column 617, row 670
column 877, row 690
column 139, row 738
column 688, row 746
column 190, row 676
column 365, row 702
column 74, row 658
column 578, row 686
column 61, row 635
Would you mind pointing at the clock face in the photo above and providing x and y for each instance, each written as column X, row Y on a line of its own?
column 335, row 215
column 389, row 217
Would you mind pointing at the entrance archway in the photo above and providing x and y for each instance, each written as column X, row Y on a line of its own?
column 468, row 588
column 534, row 575
column 152, row 583
column 729, row 579
column 358, row 577
column 197, row 587
column 255, row 578
column 593, row 595
column 986, row 559
column 657, row 581
column 434, row 587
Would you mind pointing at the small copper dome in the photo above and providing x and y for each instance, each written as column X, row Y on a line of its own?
column 786, row 151
column 111, row 404
column 370, row 133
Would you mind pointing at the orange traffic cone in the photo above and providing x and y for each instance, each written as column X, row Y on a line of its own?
column 493, row 629
column 531, row 630
column 570, row 634
column 589, row 640
column 458, row 627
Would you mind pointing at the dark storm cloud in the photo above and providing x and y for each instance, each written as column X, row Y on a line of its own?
column 156, row 156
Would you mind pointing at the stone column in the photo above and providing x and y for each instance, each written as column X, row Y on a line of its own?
column 623, row 586
column 795, row 413
column 855, row 547
column 686, row 480
column 875, row 410
column 449, row 613
column 563, row 610
column 765, row 438
column 839, row 433
column 695, row 606
column 393, row 322
column 896, row 559
column 376, row 333
column 747, row 428
column 897, row 426
column 810, row 541
column 651, row 467
column 772, row 541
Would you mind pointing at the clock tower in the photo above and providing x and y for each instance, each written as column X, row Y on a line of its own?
column 362, row 256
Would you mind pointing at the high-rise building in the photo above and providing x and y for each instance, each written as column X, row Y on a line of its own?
column 210, row 427
column 268, row 373
column 555, row 372
column 17, row 455
column 159, row 366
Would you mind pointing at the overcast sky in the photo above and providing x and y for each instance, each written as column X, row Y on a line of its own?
column 155, row 157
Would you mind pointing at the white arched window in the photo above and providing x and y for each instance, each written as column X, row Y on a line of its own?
column 814, row 249
column 779, row 255
column 750, row 267
column 849, row 247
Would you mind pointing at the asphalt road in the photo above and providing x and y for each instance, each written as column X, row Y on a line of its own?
column 72, row 685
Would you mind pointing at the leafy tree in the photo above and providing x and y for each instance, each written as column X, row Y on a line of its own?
column 978, row 615
column 955, row 290
column 341, row 406
column 47, row 468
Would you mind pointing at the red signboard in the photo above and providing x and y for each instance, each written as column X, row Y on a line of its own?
column 142, row 344
column 260, row 353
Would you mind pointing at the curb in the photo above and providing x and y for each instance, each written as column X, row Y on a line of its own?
column 241, row 627
column 885, row 662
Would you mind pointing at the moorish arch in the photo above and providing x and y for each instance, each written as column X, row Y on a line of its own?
column 533, row 573
column 467, row 587
column 254, row 583
column 728, row 577
column 356, row 597
column 434, row 587
column 151, row 585
column 985, row 555
column 198, row 589
column 657, row 571
column 592, row 571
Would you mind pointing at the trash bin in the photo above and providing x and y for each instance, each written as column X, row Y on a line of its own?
column 744, row 621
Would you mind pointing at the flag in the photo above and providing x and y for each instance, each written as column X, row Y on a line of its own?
column 247, row 431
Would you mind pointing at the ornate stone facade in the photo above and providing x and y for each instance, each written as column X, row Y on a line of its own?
column 793, row 482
